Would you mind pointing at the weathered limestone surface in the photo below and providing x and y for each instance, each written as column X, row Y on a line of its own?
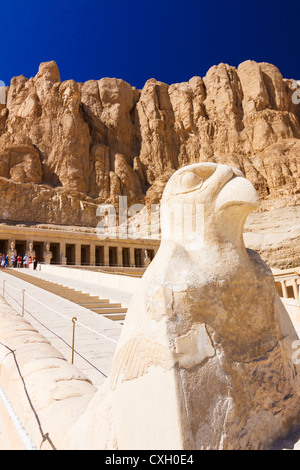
column 67, row 146
column 204, row 360
column 47, row 393
column 275, row 235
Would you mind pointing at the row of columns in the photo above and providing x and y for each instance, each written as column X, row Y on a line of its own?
column 83, row 252
column 146, row 254
column 293, row 283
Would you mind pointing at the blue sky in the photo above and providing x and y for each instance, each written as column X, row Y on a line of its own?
column 171, row 41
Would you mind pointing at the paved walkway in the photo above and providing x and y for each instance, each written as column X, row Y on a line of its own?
column 95, row 336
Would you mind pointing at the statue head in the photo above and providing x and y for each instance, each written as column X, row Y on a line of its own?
column 206, row 203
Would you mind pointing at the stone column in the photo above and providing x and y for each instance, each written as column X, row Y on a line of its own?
column 132, row 260
column 93, row 254
column 62, row 253
column 284, row 289
column 295, row 289
column 120, row 256
column 106, row 255
column 77, row 253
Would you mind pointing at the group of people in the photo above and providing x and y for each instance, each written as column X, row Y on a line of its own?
column 17, row 261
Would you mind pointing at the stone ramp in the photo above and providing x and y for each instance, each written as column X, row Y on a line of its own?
column 42, row 395
column 101, row 306
column 96, row 336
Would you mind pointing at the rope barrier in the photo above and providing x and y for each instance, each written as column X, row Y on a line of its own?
column 47, row 306
column 74, row 320
column 13, row 287
column 57, row 313
column 94, row 331
column 14, row 418
column 68, row 318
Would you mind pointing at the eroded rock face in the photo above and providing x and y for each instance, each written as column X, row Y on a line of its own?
column 19, row 159
column 103, row 138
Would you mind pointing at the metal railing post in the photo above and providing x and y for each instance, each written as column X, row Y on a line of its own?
column 23, row 302
column 74, row 320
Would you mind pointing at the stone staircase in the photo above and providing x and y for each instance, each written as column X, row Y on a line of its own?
column 113, row 311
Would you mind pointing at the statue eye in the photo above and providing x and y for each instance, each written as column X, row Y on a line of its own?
column 189, row 180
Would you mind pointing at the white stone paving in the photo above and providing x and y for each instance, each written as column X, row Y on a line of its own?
column 115, row 295
column 52, row 316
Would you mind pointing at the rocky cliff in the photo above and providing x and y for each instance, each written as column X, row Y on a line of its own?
column 66, row 147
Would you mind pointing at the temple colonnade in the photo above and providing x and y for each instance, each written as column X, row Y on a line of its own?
column 288, row 283
column 79, row 247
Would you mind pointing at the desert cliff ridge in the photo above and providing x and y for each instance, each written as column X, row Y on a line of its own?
column 66, row 147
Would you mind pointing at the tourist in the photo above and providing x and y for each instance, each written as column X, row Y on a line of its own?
column 29, row 261
column 19, row 261
column 6, row 262
column 25, row 261
column 2, row 260
column 13, row 260
column 35, row 261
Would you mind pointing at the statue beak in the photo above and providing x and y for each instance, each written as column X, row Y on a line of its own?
column 238, row 191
